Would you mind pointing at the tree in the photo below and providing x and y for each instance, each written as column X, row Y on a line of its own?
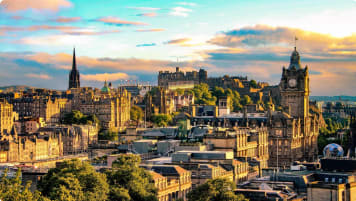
column 130, row 182
column 245, row 100
column 218, row 92
column 12, row 189
column 215, row 190
column 202, row 95
column 136, row 114
column 76, row 117
column 108, row 135
column 161, row 120
column 253, row 83
column 74, row 180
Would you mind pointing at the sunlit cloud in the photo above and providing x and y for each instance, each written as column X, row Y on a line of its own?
column 118, row 22
column 147, row 14
column 150, row 30
column 67, row 19
column 38, row 76
column 180, row 11
column 178, row 41
column 105, row 77
column 19, row 5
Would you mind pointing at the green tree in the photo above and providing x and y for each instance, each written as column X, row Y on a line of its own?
column 11, row 189
column 215, row 190
column 161, row 120
column 74, row 180
column 253, row 83
column 245, row 100
column 202, row 95
column 218, row 92
column 130, row 182
column 136, row 114
column 76, row 117
column 180, row 92
column 108, row 135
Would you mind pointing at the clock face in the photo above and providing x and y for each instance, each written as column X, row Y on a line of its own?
column 292, row 82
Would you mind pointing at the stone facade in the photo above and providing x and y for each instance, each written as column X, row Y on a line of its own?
column 172, row 182
column 6, row 116
column 47, row 143
column 294, row 133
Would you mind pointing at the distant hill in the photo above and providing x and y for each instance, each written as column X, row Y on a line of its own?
column 333, row 98
column 15, row 88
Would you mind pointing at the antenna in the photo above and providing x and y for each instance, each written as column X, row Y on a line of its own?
column 295, row 42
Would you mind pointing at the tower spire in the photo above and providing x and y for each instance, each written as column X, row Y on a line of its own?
column 74, row 77
column 74, row 64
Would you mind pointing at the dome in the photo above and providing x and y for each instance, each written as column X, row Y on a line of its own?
column 333, row 150
column 105, row 88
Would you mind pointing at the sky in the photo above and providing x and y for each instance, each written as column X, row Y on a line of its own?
column 120, row 40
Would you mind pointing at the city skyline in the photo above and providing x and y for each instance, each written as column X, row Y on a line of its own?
column 133, row 40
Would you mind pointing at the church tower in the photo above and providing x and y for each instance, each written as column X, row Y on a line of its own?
column 74, row 81
column 294, row 87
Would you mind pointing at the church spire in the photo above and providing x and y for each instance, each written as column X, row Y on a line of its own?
column 74, row 80
column 74, row 64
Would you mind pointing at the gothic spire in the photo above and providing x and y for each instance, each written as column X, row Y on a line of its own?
column 74, row 64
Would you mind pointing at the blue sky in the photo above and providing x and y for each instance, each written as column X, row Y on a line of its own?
column 132, row 40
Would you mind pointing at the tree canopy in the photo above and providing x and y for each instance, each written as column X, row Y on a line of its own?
column 253, row 83
column 136, row 113
column 161, row 120
column 215, row 190
column 76, row 117
column 202, row 95
column 74, row 180
column 11, row 189
column 130, row 182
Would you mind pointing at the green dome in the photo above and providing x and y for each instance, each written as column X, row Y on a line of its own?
column 105, row 89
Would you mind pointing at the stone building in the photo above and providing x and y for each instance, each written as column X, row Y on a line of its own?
column 249, row 143
column 29, row 148
column 210, row 165
column 6, row 116
column 172, row 181
column 294, row 133
column 47, row 143
column 111, row 106
column 179, row 79
column 164, row 101
column 44, row 107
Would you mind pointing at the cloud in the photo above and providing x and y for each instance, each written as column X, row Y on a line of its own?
column 144, row 8
column 180, row 11
column 118, row 22
column 67, row 19
column 150, row 30
column 38, row 76
column 20, row 5
column 35, row 28
column 105, row 77
column 178, row 41
column 146, row 45
column 147, row 14
column 187, row 3
column 261, row 36
column 90, row 32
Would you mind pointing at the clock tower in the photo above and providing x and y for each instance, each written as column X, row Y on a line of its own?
column 294, row 88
